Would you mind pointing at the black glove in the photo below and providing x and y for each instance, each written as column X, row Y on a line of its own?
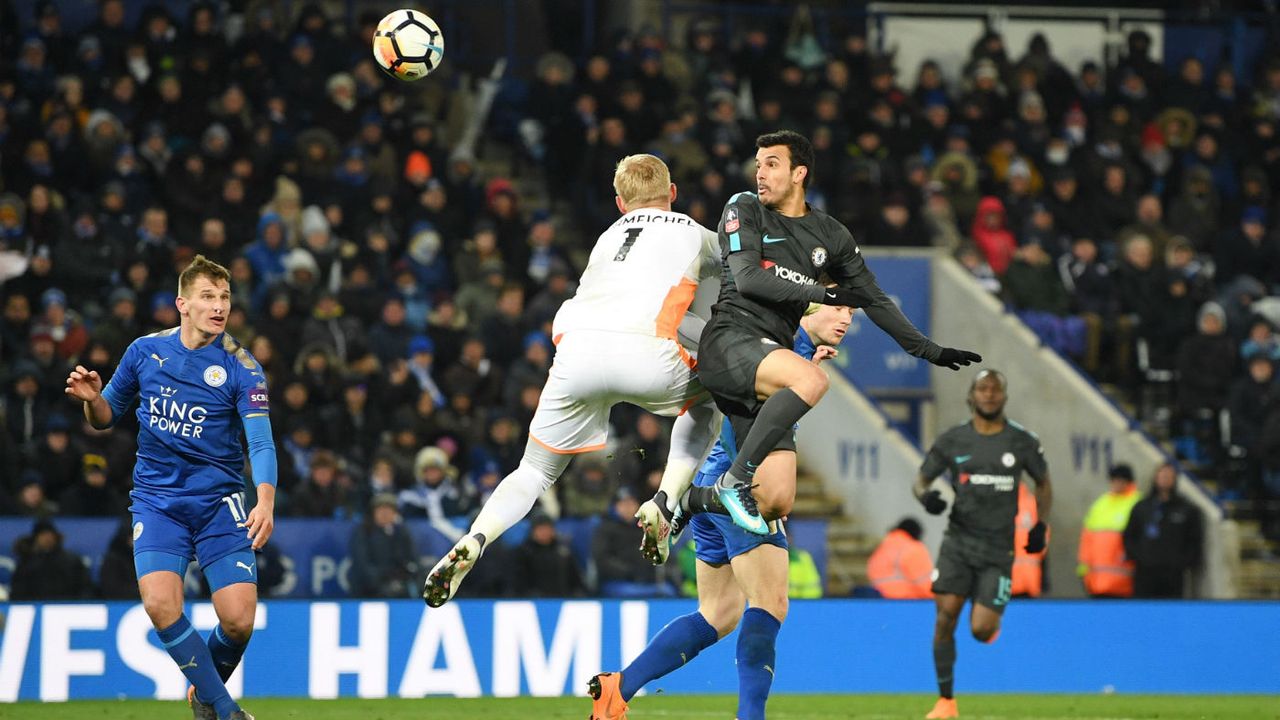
column 933, row 502
column 1035, row 538
column 952, row 358
column 840, row 296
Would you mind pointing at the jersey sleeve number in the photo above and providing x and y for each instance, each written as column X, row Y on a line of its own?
column 632, row 234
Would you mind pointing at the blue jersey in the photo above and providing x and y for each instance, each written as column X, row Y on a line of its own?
column 726, row 448
column 191, row 412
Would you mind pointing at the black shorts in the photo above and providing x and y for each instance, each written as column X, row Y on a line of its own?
column 970, row 571
column 728, row 355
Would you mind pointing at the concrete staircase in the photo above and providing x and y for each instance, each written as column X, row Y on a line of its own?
column 847, row 546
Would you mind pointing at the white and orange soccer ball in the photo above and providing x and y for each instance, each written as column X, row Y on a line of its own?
column 408, row 44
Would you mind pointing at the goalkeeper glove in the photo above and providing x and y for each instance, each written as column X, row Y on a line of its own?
column 952, row 358
column 1036, row 538
column 933, row 502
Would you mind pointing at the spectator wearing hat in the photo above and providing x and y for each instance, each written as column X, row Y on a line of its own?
column 26, row 406
column 620, row 571
column 543, row 565
column 384, row 561
column 29, row 498
column 93, row 496
column 63, row 326
column 1194, row 213
column 421, row 355
column 1104, row 567
column 435, row 493
column 58, row 456
column 1248, row 249
column 1164, row 537
column 992, row 236
column 587, row 488
column 1206, row 361
column 45, row 569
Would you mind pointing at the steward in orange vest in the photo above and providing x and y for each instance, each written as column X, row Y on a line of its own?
column 901, row 568
column 1028, row 568
column 1103, row 565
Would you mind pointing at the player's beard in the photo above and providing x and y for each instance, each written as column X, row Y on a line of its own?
column 992, row 416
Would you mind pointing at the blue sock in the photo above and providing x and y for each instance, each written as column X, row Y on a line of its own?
column 674, row 645
column 756, row 638
column 189, row 651
column 225, row 652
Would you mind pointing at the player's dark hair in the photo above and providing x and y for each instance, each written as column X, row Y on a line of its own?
column 912, row 527
column 799, row 145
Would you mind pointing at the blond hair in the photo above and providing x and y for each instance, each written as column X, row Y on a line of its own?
column 641, row 179
column 201, row 266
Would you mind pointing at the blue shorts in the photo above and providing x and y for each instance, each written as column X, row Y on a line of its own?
column 168, row 533
column 716, row 540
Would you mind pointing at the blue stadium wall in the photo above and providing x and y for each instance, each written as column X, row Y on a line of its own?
column 397, row 648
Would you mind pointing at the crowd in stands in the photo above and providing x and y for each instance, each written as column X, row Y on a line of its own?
column 399, row 298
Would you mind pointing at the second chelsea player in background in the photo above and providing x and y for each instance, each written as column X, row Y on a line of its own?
column 197, row 388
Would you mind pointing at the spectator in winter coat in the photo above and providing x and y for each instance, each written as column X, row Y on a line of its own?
column 992, row 236
column 384, row 562
column 1164, row 538
column 45, row 569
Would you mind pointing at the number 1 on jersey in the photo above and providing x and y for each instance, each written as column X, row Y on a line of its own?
column 632, row 234
column 235, row 503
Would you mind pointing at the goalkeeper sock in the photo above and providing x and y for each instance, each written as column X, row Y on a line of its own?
column 756, row 657
column 190, row 652
column 777, row 417
column 225, row 652
column 702, row 499
column 674, row 645
column 515, row 495
column 944, row 663
column 692, row 436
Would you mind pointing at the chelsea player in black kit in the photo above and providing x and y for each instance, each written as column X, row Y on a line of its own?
column 986, row 458
column 775, row 248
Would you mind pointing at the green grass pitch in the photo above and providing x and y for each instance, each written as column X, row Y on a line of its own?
column 695, row 707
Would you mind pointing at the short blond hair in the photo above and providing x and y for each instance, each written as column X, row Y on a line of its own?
column 201, row 266
column 640, row 179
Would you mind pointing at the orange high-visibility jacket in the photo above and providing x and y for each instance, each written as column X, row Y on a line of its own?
column 1102, row 562
column 1028, row 568
column 901, row 568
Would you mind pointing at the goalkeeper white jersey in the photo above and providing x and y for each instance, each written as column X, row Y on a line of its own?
column 642, row 275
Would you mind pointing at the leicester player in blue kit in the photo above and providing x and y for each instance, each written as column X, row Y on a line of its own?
column 734, row 566
column 197, row 388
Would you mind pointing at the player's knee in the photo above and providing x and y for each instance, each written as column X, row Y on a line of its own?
column 723, row 617
column 946, row 622
column 983, row 632
column 162, row 609
column 239, row 628
column 775, row 603
column 811, row 385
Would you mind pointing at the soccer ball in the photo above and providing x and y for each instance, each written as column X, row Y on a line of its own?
column 408, row 44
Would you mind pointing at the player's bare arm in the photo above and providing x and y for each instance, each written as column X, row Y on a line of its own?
column 86, row 386
column 261, row 521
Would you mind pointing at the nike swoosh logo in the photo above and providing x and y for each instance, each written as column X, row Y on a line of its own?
column 960, row 459
column 773, row 239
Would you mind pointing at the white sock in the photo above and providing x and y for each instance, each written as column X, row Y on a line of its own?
column 515, row 495
column 692, row 436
